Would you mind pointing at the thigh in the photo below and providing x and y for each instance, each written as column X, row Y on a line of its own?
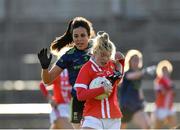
column 127, row 115
column 161, row 113
column 54, row 115
column 172, row 120
column 156, row 121
column 64, row 110
column 141, row 119
column 76, row 110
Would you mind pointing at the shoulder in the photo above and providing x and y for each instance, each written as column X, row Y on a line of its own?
column 71, row 51
column 87, row 65
column 68, row 53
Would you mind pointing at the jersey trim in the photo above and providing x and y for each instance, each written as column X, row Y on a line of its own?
column 81, row 86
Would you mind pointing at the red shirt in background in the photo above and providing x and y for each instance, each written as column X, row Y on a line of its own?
column 164, row 92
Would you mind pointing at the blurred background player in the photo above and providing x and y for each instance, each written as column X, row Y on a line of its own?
column 164, row 114
column 77, row 37
column 101, row 113
column 130, row 92
column 60, row 101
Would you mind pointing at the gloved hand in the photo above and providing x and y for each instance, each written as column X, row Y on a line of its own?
column 107, row 84
column 116, row 75
column 44, row 59
column 150, row 70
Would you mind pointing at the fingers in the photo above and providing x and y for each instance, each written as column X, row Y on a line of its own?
column 50, row 57
column 45, row 51
column 109, row 92
column 44, row 59
column 107, row 89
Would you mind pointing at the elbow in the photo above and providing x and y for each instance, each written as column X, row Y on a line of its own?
column 47, row 82
column 80, row 98
column 80, row 95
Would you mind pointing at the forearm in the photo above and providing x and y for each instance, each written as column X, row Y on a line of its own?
column 84, row 94
column 45, row 76
column 134, row 75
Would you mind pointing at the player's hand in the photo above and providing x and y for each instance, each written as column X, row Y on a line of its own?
column 149, row 70
column 115, row 76
column 44, row 59
column 53, row 103
column 107, row 87
column 108, row 90
column 119, row 56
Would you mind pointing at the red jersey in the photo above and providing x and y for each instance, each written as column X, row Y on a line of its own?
column 106, row 108
column 61, row 88
column 164, row 92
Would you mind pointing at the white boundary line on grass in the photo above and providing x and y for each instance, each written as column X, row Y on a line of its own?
column 45, row 108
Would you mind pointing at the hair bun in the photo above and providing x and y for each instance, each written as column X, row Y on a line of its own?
column 103, row 35
column 100, row 33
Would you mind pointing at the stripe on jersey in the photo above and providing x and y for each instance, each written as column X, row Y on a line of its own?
column 102, row 109
column 99, row 69
column 80, row 85
column 107, row 108
column 167, row 99
column 94, row 69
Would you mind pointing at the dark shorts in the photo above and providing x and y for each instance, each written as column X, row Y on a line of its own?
column 76, row 110
column 128, row 114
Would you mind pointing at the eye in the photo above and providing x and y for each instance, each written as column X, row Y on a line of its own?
column 75, row 36
column 83, row 35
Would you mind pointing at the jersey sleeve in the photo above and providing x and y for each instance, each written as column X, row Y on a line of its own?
column 82, row 82
column 84, row 78
column 164, row 83
column 84, row 94
column 63, row 61
column 43, row 89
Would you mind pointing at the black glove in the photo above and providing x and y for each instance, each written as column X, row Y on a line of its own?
column 116, row 75
column 43, row 58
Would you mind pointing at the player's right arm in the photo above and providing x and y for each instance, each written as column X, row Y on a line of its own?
column 45, row 60
column 82, row 82
column 49, row 76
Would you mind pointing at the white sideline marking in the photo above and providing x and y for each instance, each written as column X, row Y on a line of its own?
column 45, row 108
column 35, row 108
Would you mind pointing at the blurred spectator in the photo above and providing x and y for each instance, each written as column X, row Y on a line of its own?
column 60, row 101
column 164, row 114
column 130, row 92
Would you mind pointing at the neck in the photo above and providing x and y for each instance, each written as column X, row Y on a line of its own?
column 94, row 59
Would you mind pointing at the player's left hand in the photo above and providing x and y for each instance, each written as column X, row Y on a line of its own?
column 44, row 59
column 119, row 56
column 151, row 70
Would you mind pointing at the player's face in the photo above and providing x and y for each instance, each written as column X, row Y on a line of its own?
column 134, row 62
column 80, row 38
column 102, row 58
column 165, row 71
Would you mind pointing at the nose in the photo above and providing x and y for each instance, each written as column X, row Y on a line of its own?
column 79, row 38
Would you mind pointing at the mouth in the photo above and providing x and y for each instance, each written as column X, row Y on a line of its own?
column 80, row 44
